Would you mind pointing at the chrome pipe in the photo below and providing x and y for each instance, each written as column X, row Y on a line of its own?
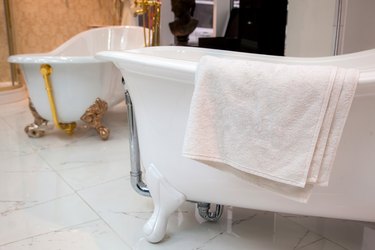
column 135, row 163
column 205, row 213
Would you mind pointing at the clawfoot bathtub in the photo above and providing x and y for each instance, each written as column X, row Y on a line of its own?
column 160, row 81
column 68, row 84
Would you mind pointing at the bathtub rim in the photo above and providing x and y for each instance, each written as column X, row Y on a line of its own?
column 182, row 70
column 47, row 58
column 143, row 56
column 54, row 57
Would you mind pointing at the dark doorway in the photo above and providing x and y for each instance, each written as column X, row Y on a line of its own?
column 257, row 26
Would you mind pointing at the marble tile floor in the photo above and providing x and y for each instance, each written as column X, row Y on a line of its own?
column 73, row 192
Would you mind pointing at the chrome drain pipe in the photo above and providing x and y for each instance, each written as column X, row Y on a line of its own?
column 135, row 163
column 205, row 213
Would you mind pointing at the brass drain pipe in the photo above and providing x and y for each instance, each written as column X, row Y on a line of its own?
column 46, row 70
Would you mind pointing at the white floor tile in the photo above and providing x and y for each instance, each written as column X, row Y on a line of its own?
column 368, row 238
column 11, row 109
column 265, row 230
column 348, row 234
column 73, row 192
column 25, row 189
column 94, row 235
column 13, row 144
column 123, row 209
column 322, row 244
column 25, row 163
column 88, row 175
column 81, row 154
column 19, row 120
column 44, row 218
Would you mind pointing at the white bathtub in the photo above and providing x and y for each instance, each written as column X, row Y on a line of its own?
column 161, row 82
column 78, row 78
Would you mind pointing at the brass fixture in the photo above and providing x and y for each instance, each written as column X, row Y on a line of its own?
column 93, row 117
column 46, row 71
column 150, row 11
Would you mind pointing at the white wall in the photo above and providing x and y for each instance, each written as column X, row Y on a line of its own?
column 359, row 27
column 310, row 27
column 167, row 16
column 221, row 16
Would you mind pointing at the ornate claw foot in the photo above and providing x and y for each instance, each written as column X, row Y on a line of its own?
column 35, row 130
column 93, row 117
column 166, row 200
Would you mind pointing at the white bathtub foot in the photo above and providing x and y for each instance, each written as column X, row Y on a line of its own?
column 36, row 129
column 93, row 117
column 166, row 201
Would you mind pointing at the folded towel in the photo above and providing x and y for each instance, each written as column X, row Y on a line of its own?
column 278, row 124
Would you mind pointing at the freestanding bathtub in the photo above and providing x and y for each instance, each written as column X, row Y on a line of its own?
column 80, row 85
column 160, row 81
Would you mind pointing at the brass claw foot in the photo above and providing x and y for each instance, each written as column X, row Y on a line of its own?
column 33, row 131
column 103, row 132
column 93, row 117
column 36, row 129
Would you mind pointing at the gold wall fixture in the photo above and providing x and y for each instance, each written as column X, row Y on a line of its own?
column 150, row 12
column 46, row 71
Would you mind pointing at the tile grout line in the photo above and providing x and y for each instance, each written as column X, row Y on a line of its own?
column 53, row 231
column 83, row 200
column 317, row 233
column 39, row 203
column 36, row 150
column 103, row 220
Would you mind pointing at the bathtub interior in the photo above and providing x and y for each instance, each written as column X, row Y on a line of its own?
column 101, row 39
column 162, row 105
column 362, row 58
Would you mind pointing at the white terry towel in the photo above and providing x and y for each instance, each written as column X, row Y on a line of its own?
column 279, row 123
